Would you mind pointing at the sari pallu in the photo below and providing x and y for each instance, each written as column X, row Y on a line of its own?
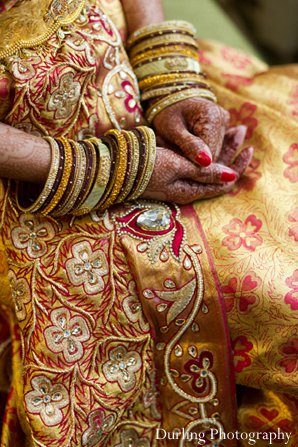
column 143, row 344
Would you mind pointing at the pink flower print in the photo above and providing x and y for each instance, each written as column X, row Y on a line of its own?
column 234, row 82
column 241, row 293
column 47, row 399
column 67, row 334
column 241, row 347
column 32, row 235
column 98, row 426
column 293, row 231
column 203, row 58
column 289, row 351
column 236, row 58
column 291, row 297
column 20, row 294
column 245, row 116
column 122, row 366
column 294, row 101
column 267, row 418
column 291, row 159
column 243, row 233
column 87, row 267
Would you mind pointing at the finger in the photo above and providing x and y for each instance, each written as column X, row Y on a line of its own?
column 194, row 148
column 183, row 192
column 233, row 141
column 213, row 174
column 211, row 128
column 243, row 160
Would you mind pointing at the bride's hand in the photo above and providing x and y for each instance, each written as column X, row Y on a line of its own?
column 177, row 179
column 197, row 126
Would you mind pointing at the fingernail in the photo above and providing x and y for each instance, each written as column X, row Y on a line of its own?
column 203, row 159
column 228, row 176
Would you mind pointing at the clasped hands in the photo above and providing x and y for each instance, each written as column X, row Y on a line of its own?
column 198, row 155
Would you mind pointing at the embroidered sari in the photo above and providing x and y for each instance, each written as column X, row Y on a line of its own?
column 115, row 322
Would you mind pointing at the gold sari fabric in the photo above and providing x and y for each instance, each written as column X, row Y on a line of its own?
column 115, row 320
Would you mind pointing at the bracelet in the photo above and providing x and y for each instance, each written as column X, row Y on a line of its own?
column 175, row 50
column 156, row 108
column 65, row 175
column 155, row 42
column 168, row 65
column 51, row 180
column 101, row 180
column 167, row 90
column 132, row 163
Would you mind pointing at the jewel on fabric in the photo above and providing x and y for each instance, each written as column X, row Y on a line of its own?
column 156, row 219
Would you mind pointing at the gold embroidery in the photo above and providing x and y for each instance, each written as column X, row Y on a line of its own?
column 26, row 26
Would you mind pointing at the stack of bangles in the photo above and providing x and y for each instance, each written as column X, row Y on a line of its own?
column 95, row 173
column 165, row 60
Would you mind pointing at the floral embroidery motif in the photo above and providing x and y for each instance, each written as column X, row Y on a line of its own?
column 130, row 437
column 291, row 159
column 243, row 233
column 20, row 295
column 241, row 294
column 98, row 426
column 122, row 366
column 67, row 334
column 291, row 297
column 132, row 97
column 235, row 82
column 293, row 231
column 268, row 418
column 290, row 352
column 133, row 309
column 47, row 400
column 32, row 235
column 241, row 346
column 198, row 369
column 87, row 267
column 245, row 116
column 236, row 58
column 67, row 95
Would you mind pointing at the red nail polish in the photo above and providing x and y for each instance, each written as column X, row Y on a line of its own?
column 203, row 159
column 228, row 176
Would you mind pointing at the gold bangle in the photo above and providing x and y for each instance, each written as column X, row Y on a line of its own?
column 161, row 80
column 175, row 26
column 47, row 189
column 156, row 108
column 101, row 180
column 168, row 65
column 65, row 177
column 165, row 91
column 172, row 50
column 119, row 170
column 150, row 149
column 77, row 183
column 154, row 42
column 134, row 164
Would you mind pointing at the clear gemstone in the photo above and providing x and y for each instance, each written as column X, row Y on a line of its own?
column 67, row 333
column 154, row 219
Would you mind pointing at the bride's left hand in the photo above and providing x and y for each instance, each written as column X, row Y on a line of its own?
column 197, row 126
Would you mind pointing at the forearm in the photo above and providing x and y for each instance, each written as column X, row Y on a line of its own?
column 23, row 156
column 140, row 13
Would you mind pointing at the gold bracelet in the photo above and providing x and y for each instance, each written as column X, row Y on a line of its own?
column 79, row 177
column 119, row 170
column 134, row 164
column 154, row 42
column 65, row 177
column 156, row 108
column 47, row 189
column 171, row 50
column 101, row 180
column 175, row 26
column 165, row 91
column 150, row 149
column 168, row 65
column 161, row 80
